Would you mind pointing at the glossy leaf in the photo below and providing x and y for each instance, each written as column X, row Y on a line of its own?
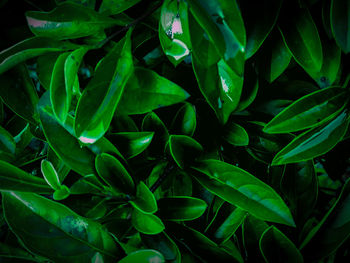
column 315, row 142
column 340, row 20
column 274, row 246
column 174, row 30
column 146, row 223
column 7, row 145
column 15, row 179
column 62, row 193
column 68, row 21
column 235, row 134
column 45, row 64
column 18, row 93
column 50, row 175
column 181, row 208
column 302, row 39
column 143, row 256
column 131, row 144
column 249, row 90
column 184, row 150
column 243, row 190
column 311, row 110
column 259, row 17
column 71, row 236
column 95, row 113
column 144, row 201
column 30, row 48
column 113, row 7
column 113, row 173
column 184, row 121
column 151, row 91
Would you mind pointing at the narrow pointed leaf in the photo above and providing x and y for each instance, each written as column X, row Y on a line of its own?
column 340, row 23
column 99, row 100
column 243, row 190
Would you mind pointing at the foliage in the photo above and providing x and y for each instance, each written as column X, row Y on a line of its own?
column 175, row 131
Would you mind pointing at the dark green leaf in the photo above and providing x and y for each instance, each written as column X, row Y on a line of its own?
column 275, row 246
column 340, row 20
column 146, row 223
column 7, row 145
column 114, row 174
column 113, row 7
column 301, row 37
column 144, row 256
column 242, row 189
column 67, row 21
column 174, row 31
column 151, row 91
column 45, row 64
column 235, row 134
column 15, row 179
column 99, row 100
column 144, row 201
column 71, row 237
column 184, row 121
column 181, row 208
column 314, row 142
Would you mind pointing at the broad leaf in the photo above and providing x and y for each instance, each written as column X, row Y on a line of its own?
column 184, row 121
column 151, row 91
column 143, row 256
column 144, row 201
column 180, row 208
column 146, row 223
column 274, row 246
column 309, row 111
column 15, row 179
column 235, row 134
column 113, row 7
column 7, row 146
column 314, row 142
column 71, row 238
column 340, row 23
column 68, row 21
column 99, row 100
column 50, row 175
column 242, row 189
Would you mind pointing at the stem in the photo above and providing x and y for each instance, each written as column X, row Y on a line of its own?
column 169, row 167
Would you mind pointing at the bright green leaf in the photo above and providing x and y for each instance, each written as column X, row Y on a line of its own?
column 144, row 201
column 146, row 223
column 144, row 256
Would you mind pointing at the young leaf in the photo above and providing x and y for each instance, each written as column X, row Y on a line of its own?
column 274, row 246
column 314, row 142
column 50, row 175
column 309, row 111
column 61, row 193
column 68, row 21
column 235, row 134
column 15, row 179
column 301, row 37
column 143, row 256
column 243, row 190
column 174, row 31
column 151, row 91
column 146, row 223
column 144, row 201
column 72, row 237
column 99, row 100
column 180, row 208
column 340, row 20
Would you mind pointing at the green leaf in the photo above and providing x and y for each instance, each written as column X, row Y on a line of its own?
column 45, row 64
column 71, row 237
column 113, row 7
column 309, row 111
column 274, row 246
column 61, row 193
column 314, row 142
column 301, row 37
column 164, row 244
column 68, row 21
column 243, row 190
column 99, row 100
column 30, row 48
column 144, row 201
column 131, row 144
column 64, row 144
column 226, row 221
column 235, row 134
column 220, row 86
column 18, row 93
column 249, row 89
column 274, row 57
column 7, row 145
column 259, row 17
column 181, row 208
column 340, row 23
column 173, row 30
column 143, row 256
column 184, row 150
column 113, row 173
column 332, row 231
column 151, row 91
column 50, row 174
column 15, row 179
column 146, row 223
column 184, row 121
